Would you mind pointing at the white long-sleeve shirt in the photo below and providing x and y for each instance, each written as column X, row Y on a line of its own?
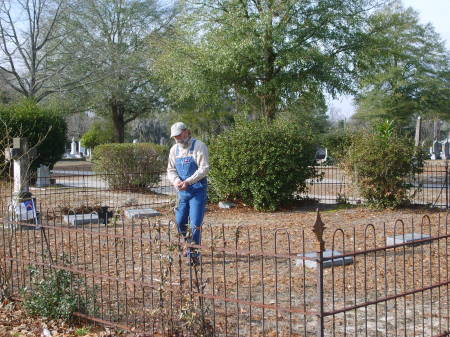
column 200, row 155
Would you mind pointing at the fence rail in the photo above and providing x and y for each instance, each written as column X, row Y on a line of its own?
column 74, row 189
column 251, row 281
column 429, row 188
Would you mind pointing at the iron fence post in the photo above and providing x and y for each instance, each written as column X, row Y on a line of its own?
column 446, row 184
column 318, row 229
column 320, row 320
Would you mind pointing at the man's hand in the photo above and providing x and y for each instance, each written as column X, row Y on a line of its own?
column 182, row 186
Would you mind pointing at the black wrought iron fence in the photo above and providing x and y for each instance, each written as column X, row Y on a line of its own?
column 85, row 191
column 79, row 190
column 375, row 280
column 429, row 188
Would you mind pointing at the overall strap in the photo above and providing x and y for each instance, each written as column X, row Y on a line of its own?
column 192, row 146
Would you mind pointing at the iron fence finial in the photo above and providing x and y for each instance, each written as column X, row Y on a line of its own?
column 318, row 230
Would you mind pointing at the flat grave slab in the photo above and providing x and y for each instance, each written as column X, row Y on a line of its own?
column 141, row 213
column 340, row 261
column 407, row 238
column 81, row 219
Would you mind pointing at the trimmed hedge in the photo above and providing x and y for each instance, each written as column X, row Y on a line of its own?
column 261, row 163
column 38, row 124
column 128, row 166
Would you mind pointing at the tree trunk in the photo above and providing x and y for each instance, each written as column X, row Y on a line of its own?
column 269, row 98
column 117, row 111
column 436, row 129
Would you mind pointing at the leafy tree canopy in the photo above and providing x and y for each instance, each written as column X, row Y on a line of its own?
column 404, row 71
column 260, row 57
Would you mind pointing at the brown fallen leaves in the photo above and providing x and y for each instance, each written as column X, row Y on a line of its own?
column 15, row 322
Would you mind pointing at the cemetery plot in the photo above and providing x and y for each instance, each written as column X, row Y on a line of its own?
column 248, row 280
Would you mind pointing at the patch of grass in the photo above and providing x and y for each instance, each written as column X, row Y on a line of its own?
column 339, row 207
column 82, row 331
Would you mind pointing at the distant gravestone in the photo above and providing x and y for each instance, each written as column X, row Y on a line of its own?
column 43, row 176
column 436, row 150
column 321, row 154
column 310, row 263
column 445, row 154
column 141, row 213
column 73, row 147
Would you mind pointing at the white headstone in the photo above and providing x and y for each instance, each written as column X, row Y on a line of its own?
column 436, row 150
column 73, row 147
column 81, row 219
column 445, row 154
column 21, row 156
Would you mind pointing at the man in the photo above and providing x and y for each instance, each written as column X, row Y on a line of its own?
column 187, row 170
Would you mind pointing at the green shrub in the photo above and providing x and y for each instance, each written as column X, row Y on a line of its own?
column 54, row 294
column 130, row 165
column 261, row 163
column 41, row 126
column 336, row 143
column 98, row 134
column 380, row 160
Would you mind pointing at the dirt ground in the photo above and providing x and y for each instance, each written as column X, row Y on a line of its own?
column 14, row 322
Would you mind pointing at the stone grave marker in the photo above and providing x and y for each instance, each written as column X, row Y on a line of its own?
column 73, row 147
column 411, row 238
column 445, row 154
column 339, row 261
column 43, row 176
column 21, row 156
column 23, row 205
column 141, row 213
column 436, row 149
column 81, row 219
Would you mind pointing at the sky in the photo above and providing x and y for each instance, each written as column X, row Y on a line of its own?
column 436, row 12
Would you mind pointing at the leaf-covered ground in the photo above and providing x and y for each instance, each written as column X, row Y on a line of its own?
column 15, row 322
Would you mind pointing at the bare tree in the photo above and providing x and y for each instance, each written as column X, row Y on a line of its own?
column 29, row 42
column 108, row 40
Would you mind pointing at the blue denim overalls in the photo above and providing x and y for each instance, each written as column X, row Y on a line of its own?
column 191, row 202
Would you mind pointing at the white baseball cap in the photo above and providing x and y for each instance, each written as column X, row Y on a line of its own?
column 177, row 129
